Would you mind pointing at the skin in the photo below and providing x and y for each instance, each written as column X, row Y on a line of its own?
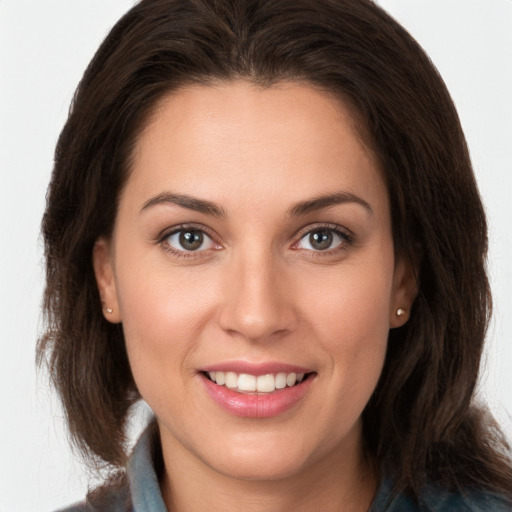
column 256, row 291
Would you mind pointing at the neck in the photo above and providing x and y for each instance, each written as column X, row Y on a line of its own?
column 340, row 481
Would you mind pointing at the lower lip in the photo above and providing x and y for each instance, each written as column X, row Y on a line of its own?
column 263, row 405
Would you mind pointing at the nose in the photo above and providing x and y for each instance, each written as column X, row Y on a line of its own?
column 258, row 303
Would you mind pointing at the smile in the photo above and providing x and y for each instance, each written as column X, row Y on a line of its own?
column 257, row 391
column 247, row 383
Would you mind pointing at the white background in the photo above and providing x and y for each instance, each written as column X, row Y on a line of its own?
column 44, row 48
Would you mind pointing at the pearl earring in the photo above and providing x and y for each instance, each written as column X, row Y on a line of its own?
column 400, row 312
column 109, row 311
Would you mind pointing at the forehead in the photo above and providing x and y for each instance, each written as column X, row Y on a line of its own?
column 240, row 102
column 237, row 136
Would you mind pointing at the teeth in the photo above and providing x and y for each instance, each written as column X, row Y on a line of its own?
column 265, row 383
column 244, row 382
column 291, row 379
column 231, row 380
column 281, row 380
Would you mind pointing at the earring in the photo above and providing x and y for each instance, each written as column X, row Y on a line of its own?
column 400, row 312
column 109, row 311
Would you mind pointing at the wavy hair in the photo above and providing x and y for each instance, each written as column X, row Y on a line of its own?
column 422, row 420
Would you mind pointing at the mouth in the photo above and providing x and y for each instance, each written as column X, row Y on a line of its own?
column 257, row 390
column 246, row 383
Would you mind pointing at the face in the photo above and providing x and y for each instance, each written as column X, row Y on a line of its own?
column 252, row 268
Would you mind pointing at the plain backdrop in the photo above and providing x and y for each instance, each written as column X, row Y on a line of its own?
column 44, row 48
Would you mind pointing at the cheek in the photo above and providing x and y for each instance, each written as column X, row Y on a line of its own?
column 354, row 298
column 163, row 316
column 350, row 320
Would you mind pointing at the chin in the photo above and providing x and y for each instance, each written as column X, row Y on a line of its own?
column 265, row 459
column 258, row 468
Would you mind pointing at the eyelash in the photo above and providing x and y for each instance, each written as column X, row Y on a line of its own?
column 162, row 240
column 343, row 234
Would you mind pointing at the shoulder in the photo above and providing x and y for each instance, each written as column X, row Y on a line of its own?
column 474, row 501
column 77, row 507
column 134, row 489
column 111, row 497
column 436, row 499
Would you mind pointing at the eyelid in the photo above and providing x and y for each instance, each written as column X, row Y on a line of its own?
column 167, row 232
column 323, row 225
column 161, row 239
column 342, row 231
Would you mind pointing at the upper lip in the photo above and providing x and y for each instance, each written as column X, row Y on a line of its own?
column 255, row 369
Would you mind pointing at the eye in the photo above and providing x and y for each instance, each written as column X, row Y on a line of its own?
column 190, row 240
column 322, row 240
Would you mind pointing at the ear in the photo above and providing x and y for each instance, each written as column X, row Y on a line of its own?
column 405, row 289
column 102, row 260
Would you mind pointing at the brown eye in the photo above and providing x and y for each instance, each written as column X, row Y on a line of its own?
column 189, row 240
column 323, row 240
column 320, row 240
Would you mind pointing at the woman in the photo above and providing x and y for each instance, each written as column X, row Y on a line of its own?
column 258, row 223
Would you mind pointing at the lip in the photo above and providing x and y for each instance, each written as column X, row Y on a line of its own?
column 257, row 405
column 255, row 369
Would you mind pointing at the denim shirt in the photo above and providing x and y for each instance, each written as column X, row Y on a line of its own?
column 434, row 499
column 141, row 492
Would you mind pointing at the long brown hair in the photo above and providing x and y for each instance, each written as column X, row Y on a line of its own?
column 422, row 421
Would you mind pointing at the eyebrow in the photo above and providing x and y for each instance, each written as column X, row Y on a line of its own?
column 186, row 201
column 299, row 209
column 325, row 201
